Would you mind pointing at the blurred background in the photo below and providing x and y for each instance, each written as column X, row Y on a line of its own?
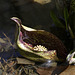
column 55, row 16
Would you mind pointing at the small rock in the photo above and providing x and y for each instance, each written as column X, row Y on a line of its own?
column 42, row 1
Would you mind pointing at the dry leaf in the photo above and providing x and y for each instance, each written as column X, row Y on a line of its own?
column 24, row 61
column 2, row 41
column 45, row 71
column 69, row 71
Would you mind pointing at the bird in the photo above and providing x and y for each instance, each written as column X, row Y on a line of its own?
column 38, row 45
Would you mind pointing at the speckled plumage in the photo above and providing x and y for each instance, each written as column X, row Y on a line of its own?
column 31, row 38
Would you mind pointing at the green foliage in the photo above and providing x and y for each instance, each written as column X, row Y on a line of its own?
column 71, row 32
column 73, row 5
column 67, row 14
column 59, row 6
column 66, row 17
column 56, row 20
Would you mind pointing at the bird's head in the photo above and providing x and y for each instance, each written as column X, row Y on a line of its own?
column 17, row 20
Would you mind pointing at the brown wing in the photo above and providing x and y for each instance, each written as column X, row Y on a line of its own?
column 50, row 41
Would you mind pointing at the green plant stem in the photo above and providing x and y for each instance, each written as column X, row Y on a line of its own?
column 71, row 33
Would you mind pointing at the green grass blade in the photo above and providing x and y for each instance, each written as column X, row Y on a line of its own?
column 56, row 20
column 71, row 33
column 66, row 16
